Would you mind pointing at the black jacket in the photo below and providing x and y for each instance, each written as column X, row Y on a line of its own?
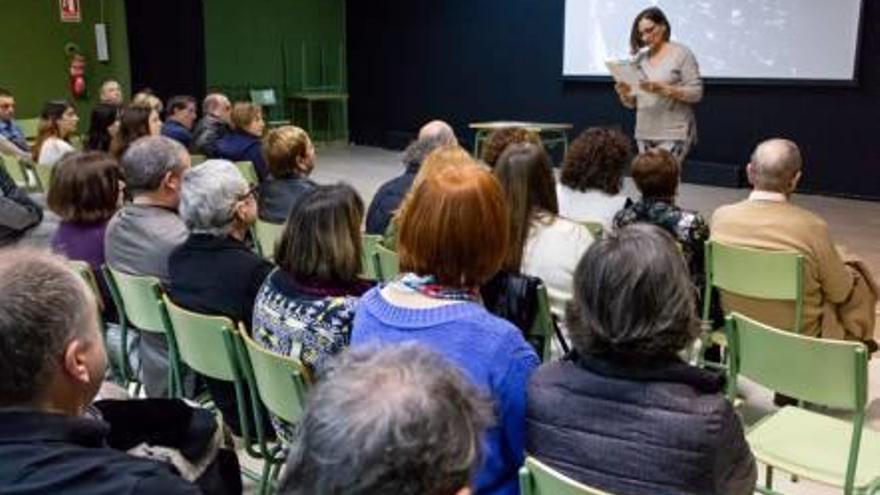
column 207, row 132
column 638, row 429
column 277, row 196
column 388, row 199
column 51, row 453
column 18, row 212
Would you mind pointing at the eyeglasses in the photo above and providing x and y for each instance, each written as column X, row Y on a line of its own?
column 648, row 30
column 253, row 191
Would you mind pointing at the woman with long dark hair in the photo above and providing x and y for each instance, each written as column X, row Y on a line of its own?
column 103, row 126
column 57, row 124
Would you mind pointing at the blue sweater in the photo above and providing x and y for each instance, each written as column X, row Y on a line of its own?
column 489, row 350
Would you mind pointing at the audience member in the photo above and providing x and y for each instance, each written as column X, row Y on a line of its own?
column 500, row 139
column 453, row 238
column 215, row 124
column 180, row 120
column 219, row 208
column 432, row 135
column 111, row 93
column 422, row 436
column 290, row 157
column 624, row 414
column 147, row 99
column 141, row 236
column 18, row 212
column 52, row 362
column 57, row 123
column 135, row 122
column 245, row 143
column 87, row 190
column 839, row 294
column 657, row 174
column 12, row 138
column 306, row 306
column 591, row 181
column 103, row 125
column 542, row 244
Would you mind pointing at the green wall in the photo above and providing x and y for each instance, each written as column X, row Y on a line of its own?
column 33, row 64
column 259, row 43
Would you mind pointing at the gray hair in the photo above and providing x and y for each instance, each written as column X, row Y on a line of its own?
column 213, row 102
column 418, row 150
column 396, row 420
column 209, row 194
column 148, row 160
column 632, row 297
column 43, row 304
column 775, row 163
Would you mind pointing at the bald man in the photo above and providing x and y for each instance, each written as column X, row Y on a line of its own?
column 838, row 300
column 432, row 135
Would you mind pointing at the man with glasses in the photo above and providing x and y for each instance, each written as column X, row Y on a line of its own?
column 12, row 140
column 180, row 119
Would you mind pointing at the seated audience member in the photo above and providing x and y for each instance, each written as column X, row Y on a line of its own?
column 432, row 135
column 141, row 236
column 111, row 93
column 180, row 120
column 245, row 143
column 423, row 436
column 18, row 212
column 499, row 140
column 624, row 413
column 591, row 181
column 12, row 138
column 57, row 124
column 103, row 126
column 135, row 122
column 147, row 99
column 306, row 306
column 453, row 238
column 214, row 271
column 52, row 362
column 87, row 190
column 214, row 124
column 542, row 244
column 290, row 158
column 839, row 294
column 657, row 174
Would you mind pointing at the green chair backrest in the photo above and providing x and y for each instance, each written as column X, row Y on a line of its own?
column 44, row 175
column 536, row 478
column 205, row 343
column 267, row 236
column 248, row 172
column 141, row 299
column 389, row 263
column 595, row 228
column 15, row 171
column 369, row 259
column 29, row 127
column 85, row 271
column 828, row 372
column 544, row 327
column 198, row 159
column 756, row 273
column 281, row 382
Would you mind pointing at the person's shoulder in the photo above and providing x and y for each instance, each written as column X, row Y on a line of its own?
column 682, row 49
column 164, row 482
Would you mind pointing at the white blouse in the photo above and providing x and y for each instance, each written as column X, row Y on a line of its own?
column 53, row 149
column 589, row 206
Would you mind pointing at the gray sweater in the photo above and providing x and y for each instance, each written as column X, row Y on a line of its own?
column 659, row 118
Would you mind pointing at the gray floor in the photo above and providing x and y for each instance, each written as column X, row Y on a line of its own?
column 854, row 225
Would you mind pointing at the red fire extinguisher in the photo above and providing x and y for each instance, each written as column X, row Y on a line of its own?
column 78, row 76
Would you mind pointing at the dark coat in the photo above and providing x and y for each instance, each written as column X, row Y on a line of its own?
column 238, row 146
column 638, row 430
column 178, row 132
column 388, row 199
column 277, row 196
column 207, row 132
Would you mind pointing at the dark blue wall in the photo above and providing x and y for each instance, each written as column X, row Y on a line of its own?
column 471, row 60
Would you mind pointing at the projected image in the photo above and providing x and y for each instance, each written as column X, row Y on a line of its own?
column 786, row 39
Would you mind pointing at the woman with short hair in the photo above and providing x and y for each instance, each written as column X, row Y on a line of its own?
column 245, row 143
column 58, row 122
column 135, row 122
column 624, row 413
column 453, row 238
column 290, row 157
column 215, row 271
column 590, row 185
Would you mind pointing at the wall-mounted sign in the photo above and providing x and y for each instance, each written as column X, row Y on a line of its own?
column 70, row 10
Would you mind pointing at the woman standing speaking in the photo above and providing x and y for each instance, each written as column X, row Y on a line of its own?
column 670, row 89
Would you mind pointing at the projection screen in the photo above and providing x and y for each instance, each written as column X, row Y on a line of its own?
column 732, row 39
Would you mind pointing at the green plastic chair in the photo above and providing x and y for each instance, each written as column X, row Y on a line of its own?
column 16, row 172
column 281, row 384
column 267, row 234
column 369, row 259
column 544, row 328
column 388, row 262
column 29, row 127
column 537, row 478
column 138, row 301
column 44, row 175
column 804, row 443
column 597, row 230
column 248, row 172
column 198, row 159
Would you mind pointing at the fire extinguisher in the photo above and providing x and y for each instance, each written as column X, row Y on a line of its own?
column 77, row 71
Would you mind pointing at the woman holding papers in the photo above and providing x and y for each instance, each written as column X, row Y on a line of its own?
column 670, row 87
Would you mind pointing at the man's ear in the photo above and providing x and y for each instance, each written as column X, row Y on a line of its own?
column 794, row 181
column 75, row 361
column 171, row 180
column 750, row 173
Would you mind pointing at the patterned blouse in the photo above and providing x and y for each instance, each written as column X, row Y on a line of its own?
column 687, row 227
column 310, row 322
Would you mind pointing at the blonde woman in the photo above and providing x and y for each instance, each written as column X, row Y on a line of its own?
column 290, row 158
